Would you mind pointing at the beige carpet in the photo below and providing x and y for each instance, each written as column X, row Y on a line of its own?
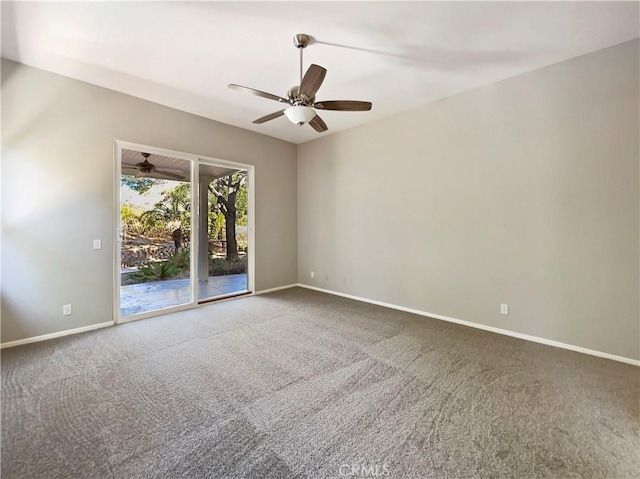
column 303, row 384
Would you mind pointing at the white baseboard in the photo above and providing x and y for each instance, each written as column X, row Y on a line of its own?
column 506, row 332
column 271, row 290
column 59, row 334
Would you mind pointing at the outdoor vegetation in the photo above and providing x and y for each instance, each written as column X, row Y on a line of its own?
column 156, row 238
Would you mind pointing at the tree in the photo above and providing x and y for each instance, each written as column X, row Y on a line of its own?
column 130, row 219
column 172, row 210
column 226, row 190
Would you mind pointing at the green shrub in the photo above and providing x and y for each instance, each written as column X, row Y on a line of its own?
column 223, row 267
column 155, row 271
column 182, row 259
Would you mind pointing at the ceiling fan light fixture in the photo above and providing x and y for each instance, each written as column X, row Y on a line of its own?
column 300, row 114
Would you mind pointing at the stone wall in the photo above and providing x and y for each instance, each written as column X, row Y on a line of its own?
column 133, row 256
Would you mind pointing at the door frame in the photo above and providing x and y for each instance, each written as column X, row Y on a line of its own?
column 118, row 146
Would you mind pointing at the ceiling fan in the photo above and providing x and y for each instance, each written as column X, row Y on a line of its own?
column 302, row 98
column 146, row 168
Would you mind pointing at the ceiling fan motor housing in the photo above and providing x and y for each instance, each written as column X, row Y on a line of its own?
column 296, row 99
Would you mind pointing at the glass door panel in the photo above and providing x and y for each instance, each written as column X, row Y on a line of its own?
column 223, row 230
column 155, row 226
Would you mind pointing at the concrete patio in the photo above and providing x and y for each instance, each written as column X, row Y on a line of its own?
column 143, row 297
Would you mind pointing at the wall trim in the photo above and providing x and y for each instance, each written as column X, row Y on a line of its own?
column 505, row 332
column 59, row 334
column 271, row 290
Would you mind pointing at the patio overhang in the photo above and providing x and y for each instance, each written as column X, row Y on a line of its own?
column 170, row 165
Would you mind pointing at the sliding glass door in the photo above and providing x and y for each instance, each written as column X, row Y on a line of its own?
column 184, row 230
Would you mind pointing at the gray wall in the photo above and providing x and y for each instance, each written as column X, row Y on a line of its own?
column 522, row 192
column 57, row 177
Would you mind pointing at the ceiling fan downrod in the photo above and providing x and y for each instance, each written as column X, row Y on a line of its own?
column 301, row 41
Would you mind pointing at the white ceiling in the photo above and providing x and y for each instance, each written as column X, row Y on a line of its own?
column 397, row 55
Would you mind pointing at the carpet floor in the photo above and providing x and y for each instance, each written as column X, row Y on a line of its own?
column 300, row 384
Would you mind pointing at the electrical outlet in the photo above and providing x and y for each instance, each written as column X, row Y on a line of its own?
column 326, row 277
column 504, row 308
column 313, row 274
column 66, row 310
column 97, row 244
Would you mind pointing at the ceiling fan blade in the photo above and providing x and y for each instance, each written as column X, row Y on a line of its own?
column 312, row 80
column 268, row 117
column 169, row 175
column 343, row 105
column 255, row 92
column 318, row 125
